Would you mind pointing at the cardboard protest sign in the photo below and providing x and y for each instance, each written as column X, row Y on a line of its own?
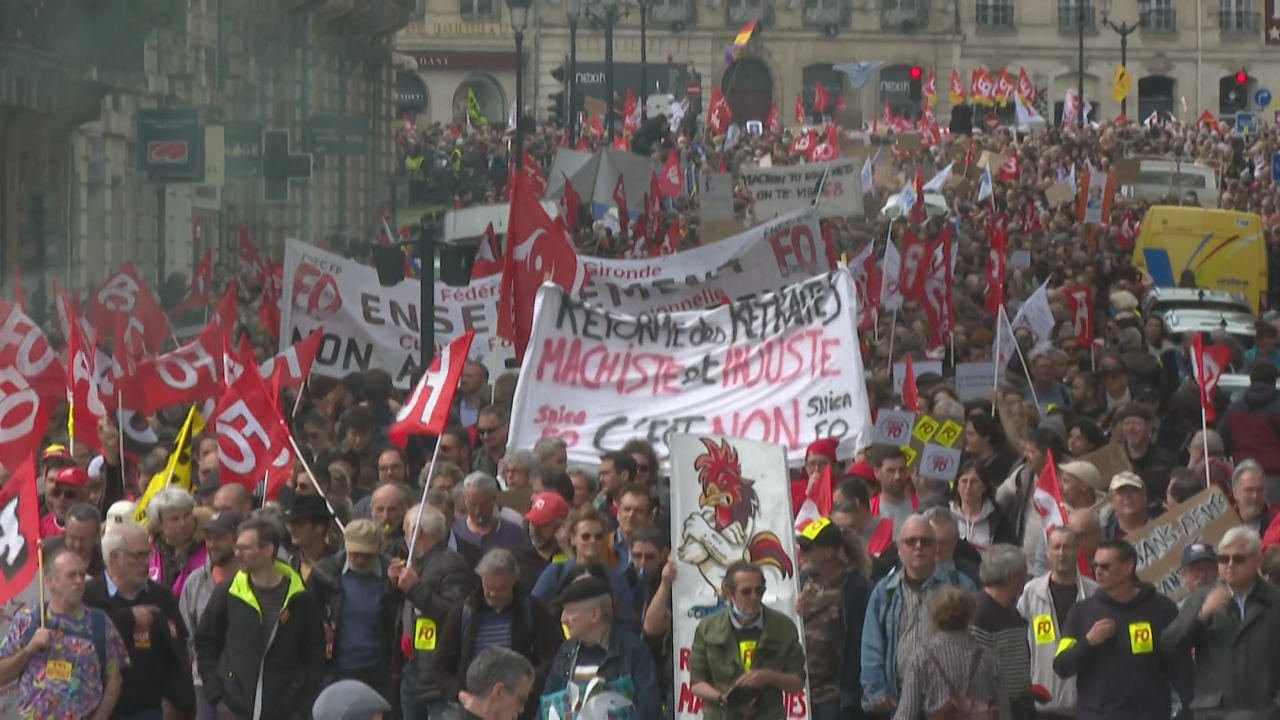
column 935, row 447
column 1059, row 193
column 780, row 367
column 1203, row 518
column 779, row 190
column 893, row 427
column 1110, row 460
column 753, row 524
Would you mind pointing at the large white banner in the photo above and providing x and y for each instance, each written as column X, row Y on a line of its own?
column 782, row 189
column 754, row 525
column 781, row 367
column 367, row 325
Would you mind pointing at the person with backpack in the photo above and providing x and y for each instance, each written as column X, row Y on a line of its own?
column 952, row 676
column 67, row 658
column 500, row 613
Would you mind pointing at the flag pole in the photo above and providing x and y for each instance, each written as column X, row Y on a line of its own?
column 297, row 451
column 1204, row 440
column 297, row 403
column 40, row 560
column 120, row 430
column 417, row 521
column 1027, row 371
column 892, row 327
column 995, row 360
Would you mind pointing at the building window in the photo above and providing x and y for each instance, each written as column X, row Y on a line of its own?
column 901, row 14
column 1069, row 14
column 995, row 13
column 1162, row 16
column 822, row 4
column 1237, row 16
column 486, row 9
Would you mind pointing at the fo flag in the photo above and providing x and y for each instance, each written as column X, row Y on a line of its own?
column 125, row 292
column 19, row 531
column 251, row 435
column 24, row 348
column 427, row 410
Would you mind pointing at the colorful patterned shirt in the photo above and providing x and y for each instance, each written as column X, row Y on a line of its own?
column 65, row 682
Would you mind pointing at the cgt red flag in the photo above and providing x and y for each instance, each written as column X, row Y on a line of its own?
column 718, row 114
column 1080, row 309
column 939, row 290
column 19, row 530
column 201, row 284
column 427, row 410
column 487, row 260
column 995, row 269
column 670, row 180
column 537, row 250
column 820, row 97
column 1207, row 363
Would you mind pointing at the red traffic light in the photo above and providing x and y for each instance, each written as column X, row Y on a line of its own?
column 916, row 72
column 1242, row 77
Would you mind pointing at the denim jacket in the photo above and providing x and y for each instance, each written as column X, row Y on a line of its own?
column 625, row 655
column 880, row 632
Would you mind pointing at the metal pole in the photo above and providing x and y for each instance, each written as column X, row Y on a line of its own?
column 644, row 60
column 1124, row 57
column 572, row 85
column 427, row 285
column 517, row 146
column 1080, row 63
column 609, row 19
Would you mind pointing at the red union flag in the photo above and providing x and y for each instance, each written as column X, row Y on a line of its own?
column 427, row 410
column 1080, row 309
column 23, row 418
column 185, row 375
column 1207, row 363
column 252, row 437
column 24, row 347
column 163, row 152
column 125, row 292
column 19, row 531
column 291, row 367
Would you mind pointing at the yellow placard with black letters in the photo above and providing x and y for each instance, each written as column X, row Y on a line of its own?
column 1141, row 641
column 424, row 634
column 1043, row 625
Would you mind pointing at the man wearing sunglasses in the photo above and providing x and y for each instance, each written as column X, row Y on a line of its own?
column 491, row 432
column 1112, row 644
column 1231, row 629
column 897, row 619
column 69, row 487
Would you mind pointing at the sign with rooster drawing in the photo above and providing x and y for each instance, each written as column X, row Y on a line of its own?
column 730, row 501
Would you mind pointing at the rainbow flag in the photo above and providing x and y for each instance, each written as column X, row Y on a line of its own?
column 740, row 41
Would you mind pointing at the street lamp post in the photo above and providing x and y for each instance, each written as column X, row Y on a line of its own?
column 519, row 10
column 644, row 59
column 610, row 18
column 573, row 9
column 1124, row 30
column 1080, row 20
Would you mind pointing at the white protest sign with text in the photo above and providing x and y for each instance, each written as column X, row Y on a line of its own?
column 778, row 190
column 974, row 380
column 779, row 367
column 754, row 524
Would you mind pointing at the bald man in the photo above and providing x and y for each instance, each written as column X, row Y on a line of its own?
column 1088, row 529
column 387, row 508
column 233, row 498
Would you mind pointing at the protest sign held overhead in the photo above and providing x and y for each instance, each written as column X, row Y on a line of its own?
column 779, row 190
column 780, row 367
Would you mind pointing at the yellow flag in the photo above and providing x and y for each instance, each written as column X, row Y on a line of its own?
column 473, row 109
column 1120, row 87
column 177, row 471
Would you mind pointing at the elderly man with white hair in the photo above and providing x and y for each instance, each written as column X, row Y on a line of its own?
column 482, row 525
column 552, row 451
column 1249, row 489
column 432, row 582
column 1230, row 630
column 176, row 550
column 146, row 614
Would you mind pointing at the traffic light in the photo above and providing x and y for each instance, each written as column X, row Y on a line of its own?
column 1233, row 93
column 915, row 76
column 557, row 74
column 558, row 108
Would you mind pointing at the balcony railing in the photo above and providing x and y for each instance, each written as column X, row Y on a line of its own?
column 736, row 16
column 1235, row 21
column 827, row 15
column 903, row 16
column 1160, row 20
column 1069, row 18
column 676, row 11
column 79, row 35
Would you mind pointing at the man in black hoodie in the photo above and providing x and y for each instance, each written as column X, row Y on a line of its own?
column 1111, row 644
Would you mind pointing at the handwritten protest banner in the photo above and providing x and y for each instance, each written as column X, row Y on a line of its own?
column 1203, row 518
column 974, row 380
column 780, row 367
column 707, row 536
column 370, row 326
column 778, row 190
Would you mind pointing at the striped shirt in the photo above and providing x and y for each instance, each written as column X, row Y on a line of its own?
column 914, row 625
column 925, row 689
column 493, row 629
column 1004, row 630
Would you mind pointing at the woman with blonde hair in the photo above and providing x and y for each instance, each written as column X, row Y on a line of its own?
column 590, row 542
column 177, row 543
column 952, row 669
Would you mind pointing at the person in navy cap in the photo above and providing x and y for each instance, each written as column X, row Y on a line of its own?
column 1199, row 566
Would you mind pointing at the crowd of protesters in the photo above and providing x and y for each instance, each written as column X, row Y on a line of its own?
column 523, row 583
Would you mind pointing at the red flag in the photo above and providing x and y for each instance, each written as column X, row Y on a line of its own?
column 816, row 505
column 995, row 270
column 653, row 211
column 910, row 393
column 252, row 437
column 918, row 212
column 569, row 203
column 224, row 313
column 939, row 290
column 772, row 122
column 840, row 102
column 820, row 98
column 597, row 127
column 630, row 111
column 800, row 118
column 19, row 529
column 1010, row 168
column 82, row 392
column 1207, row 363
column 828, row 149
column 251, row 263
column 803, row 143
column 186, row 375
column 915, row 263
column 537, row 250
column 291, row 367
column 670, row 179
column 670, row 244
column 201, row 284
column 124, row 291
column 1128, row 230
column 1030, row 219
column 533, row 172
column 269, row 302
column 426, row 412
column 718, row 115
column 620, row 198
column 1026, row 89
column 1047, row 498
column 25, row 349
column 486, row 262
column 1080, row 309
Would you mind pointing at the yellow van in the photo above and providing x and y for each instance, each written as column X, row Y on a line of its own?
column 1226, row 249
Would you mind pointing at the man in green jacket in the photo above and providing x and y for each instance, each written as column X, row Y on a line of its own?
column 745, row 658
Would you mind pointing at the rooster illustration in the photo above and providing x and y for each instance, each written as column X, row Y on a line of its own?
column 723, row 529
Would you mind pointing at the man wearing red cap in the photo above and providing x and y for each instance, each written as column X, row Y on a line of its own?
column 69, row 487
column 546, row 517
column 819, row 454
